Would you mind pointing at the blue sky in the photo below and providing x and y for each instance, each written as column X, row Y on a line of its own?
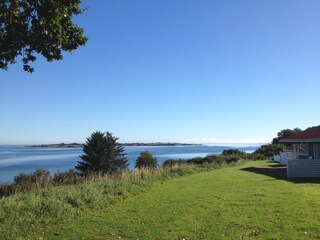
column 173, row 70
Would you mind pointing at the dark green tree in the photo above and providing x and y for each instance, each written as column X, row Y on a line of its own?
column 276, row 147
column 102, row 154
column 38, row 27
column 269, row 150
column 233, row 152
column 284, row 134
column 146, row 160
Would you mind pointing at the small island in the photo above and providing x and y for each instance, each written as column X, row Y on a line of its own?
column 58, row 145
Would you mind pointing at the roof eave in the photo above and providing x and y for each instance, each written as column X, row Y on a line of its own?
column 300, row 140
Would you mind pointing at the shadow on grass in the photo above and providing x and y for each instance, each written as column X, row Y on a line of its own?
column 279, row 172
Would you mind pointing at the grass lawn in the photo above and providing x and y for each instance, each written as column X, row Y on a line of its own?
column 229, row 203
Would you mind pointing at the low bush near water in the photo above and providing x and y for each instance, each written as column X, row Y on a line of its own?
column 69, row 177
column 39, row 179
column 231, row 156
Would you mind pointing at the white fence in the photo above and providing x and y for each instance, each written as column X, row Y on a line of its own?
column 283, row 157
column 303, row 168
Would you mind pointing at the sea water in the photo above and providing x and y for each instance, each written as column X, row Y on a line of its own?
column 16, row 159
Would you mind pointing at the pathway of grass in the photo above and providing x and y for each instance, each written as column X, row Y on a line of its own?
column 228, row 203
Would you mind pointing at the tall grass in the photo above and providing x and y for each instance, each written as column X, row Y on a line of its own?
column 40, row 203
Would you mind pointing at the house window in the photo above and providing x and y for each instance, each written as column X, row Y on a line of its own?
column 317, row 150
column 303, row 150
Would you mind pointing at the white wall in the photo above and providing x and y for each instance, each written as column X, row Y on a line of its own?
column 283, row 157
column 303, row 168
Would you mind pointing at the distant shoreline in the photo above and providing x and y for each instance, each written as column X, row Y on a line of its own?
column 160, row 144
column 57, row 145
column 78, row 145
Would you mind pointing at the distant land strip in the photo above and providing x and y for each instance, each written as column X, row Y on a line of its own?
column 76, row 145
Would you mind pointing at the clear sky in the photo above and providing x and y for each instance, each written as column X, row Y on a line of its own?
column 173, row 70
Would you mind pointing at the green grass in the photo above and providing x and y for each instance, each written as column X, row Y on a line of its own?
column 228, row 203
column 30, row 215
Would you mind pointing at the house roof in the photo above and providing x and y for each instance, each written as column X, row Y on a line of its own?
column 310, row 135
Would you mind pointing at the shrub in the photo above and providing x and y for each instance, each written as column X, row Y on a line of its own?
column 25, row 182
column 196, row 161
column 42, row 178
column 231, row 159
column 7, row 190
column 69, row 177
column 146, row 160
column 211, row 160
column 170, row 163
column 23, row 179
column 255, row 156
column 269, row 150
column 233, row 152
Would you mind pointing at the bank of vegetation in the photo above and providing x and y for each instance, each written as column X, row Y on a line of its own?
column 55, row 201
column 251, row 201
column 35, row 202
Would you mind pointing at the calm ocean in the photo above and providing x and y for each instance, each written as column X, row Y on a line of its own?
column 16, row 159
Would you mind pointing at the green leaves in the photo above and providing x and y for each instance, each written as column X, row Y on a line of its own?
column 284, row 133
column 38, row 27
column 146, row 160
column 269, row 150
column 102, row 154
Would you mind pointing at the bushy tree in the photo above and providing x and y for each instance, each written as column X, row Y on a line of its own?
column 146, row 160
column 284, row 133
column 40, row 178
column 269, row 150
column 38, row 27
column 232, row 152
column 102, row 154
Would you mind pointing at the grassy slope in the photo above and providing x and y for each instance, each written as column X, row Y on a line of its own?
column 227, row 203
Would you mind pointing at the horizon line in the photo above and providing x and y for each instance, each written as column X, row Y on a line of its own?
column 149, row 142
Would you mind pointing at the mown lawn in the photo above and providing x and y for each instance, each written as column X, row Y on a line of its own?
column 229, row 203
